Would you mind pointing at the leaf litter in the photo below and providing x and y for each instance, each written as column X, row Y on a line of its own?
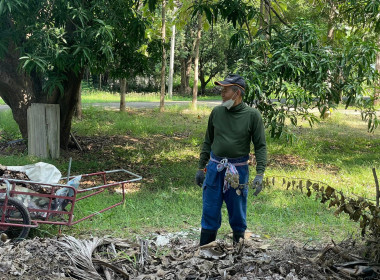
column 175, row 256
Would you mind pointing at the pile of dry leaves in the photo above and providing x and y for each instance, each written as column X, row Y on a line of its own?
column 9, row 174
column 178, row 258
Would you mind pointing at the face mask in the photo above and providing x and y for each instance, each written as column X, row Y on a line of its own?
column 229, row 103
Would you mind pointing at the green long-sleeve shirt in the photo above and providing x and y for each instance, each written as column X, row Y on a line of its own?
column 230, row 132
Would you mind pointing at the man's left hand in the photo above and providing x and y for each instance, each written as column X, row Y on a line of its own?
column 200, row 177
column 257, row 184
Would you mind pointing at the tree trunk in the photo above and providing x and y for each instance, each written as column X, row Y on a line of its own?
column 19, row 90
column 68, row 104
column 377, row 89
column 331, row 23
column 330, row 38
column 171, row 64
column 202, row 79
column 123, row 90
column 264, row 22
column 78, row 109
column 163, row 63
column 183, row 76
column 203, row 85
column 262, row 14
column 196, row 61
column 105, row 79
column 204, row 82
column 187, row 74
column 268, row 18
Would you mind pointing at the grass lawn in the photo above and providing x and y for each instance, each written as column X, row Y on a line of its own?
column 164, row 149
column 105, row 97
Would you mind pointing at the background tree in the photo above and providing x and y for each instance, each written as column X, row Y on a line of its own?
column 163, row 62
column 196, row 60
column 293, row 63
column 216, row 57
column 365, row 14
column 55, row 47
column 129, row 56
column 184, row 52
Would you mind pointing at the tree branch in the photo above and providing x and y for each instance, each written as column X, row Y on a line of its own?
column 212, row 75
column 276, row 14
column 249, row 31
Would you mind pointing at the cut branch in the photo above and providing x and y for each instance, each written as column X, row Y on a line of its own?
column 377, row 187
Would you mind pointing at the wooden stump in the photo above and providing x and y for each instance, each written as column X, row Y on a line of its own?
column 43, row 130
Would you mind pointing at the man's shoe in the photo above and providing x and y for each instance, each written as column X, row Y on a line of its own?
column 237, row 235
column 207, row 236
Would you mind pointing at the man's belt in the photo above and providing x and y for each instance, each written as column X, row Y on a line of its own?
column 231, row 177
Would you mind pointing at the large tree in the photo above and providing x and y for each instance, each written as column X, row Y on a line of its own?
column 46, row 45
column 216, row 58
column 184, row 53
column 364, row 14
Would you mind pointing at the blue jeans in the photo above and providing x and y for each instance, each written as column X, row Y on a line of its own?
column 213, row 197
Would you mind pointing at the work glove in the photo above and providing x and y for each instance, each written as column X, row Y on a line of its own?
column 257, row 184
column 200, row 177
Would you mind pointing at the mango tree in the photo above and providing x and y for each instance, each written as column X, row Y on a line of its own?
column 45, row 47
column 364, row 14
column 290, row 65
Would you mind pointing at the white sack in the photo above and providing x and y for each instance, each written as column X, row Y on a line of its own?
column 39, row 172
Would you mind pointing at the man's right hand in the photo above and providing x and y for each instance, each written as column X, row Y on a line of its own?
column 200, row 177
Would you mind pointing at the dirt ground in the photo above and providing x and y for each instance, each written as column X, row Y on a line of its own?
column 176, row 256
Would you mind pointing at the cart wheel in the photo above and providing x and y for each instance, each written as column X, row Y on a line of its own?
column 15, row 213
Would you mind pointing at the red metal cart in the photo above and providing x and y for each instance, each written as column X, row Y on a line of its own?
column 16, row 219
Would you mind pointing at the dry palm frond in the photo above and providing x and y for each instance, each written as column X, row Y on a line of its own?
column 80, row 253
column 111, row 266
column 143, row 253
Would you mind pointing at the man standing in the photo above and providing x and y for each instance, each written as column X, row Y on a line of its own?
column 231, row 128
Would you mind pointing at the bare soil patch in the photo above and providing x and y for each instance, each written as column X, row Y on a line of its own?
column 294, row 161
column 13, row 147
column 287, row 161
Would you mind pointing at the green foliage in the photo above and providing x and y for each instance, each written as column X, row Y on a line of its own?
column 72, row 35
column 151, row 4
column 215, row 52
column 369, row 113
column 235, row 11
column 361, row 13
column 10, row 5
column 293, row 64
column 299, row 73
